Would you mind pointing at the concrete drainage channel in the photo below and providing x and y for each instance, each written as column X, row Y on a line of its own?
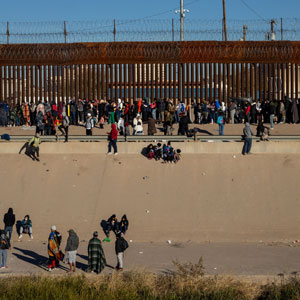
column 156, row 138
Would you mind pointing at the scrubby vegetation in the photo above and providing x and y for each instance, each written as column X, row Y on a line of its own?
column 188, row 282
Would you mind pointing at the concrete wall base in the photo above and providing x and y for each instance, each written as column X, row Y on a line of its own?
column 136, row 147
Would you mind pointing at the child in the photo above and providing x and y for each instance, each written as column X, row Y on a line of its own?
column 150, row 151
column 177, row 156
column 124, row 224
column 157, row 152
column 127, row 129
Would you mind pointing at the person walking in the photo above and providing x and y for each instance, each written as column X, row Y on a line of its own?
column 112, row 137
column 183, row 128
column 248, row 133
column 9, row 221
column 64, row 127
column 120, row 246
column 89, row 125
column 221, row 123
column 4, row 246
column 34, row 144
column 96, row 257
column 71, row 249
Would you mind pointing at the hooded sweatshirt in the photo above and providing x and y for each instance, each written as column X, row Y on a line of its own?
column 72, row 241
column 9, row 218
column 248, row 131
column 114, row 132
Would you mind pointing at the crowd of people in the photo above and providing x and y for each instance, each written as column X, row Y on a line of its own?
column 50, row 117
column 96, row 256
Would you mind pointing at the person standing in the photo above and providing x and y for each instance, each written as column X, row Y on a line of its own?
column 248, row 133
column 71, row 249
column 232, row 111
column 221, row 123
column 9, row 221
column 89, row 124
column 120, row 246
column 151, row 125
column 183, row 128
column 53, row 249
column 111, row 113
column 96, row 257
column 4, row 246
column 113, row 136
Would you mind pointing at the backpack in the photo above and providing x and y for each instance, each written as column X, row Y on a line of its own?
column 182, row 109
column 220, row 120
column 124, row 244
column 3, row 241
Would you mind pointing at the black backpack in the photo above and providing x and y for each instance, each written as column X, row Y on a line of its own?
column 124, row 244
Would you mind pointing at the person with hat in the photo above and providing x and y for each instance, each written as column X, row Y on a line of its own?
column 34, row 148
column 54, row 249
column 96, row 257
column 89, row 125
column 138, row 125
column 71, row 249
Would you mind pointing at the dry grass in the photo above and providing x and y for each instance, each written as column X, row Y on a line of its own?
column 188, row 282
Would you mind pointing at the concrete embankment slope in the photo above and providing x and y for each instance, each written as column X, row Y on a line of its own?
column 190, row 147
column 205, row 197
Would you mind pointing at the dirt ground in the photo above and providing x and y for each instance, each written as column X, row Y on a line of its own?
column 240, row 260
column 241, row 214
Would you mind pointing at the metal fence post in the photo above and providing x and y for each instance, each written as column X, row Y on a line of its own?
column 173, row 35
column 7, row 32
column 65, row 31
column 114, row 31
column 281, row 28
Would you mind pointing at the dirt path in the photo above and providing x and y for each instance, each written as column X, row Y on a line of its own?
column 233, row 259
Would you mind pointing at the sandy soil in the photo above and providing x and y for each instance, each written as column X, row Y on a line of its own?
column 240, row 260
column 230, row 210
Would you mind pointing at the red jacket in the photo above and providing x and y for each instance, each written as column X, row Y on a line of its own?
column 114, row 132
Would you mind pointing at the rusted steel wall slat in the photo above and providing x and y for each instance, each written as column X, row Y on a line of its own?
column 165, row 95
column 174, row 81
column 297, row 81
column 197, row 82
column 288, row 83
column 147, row 81
column 292, row 81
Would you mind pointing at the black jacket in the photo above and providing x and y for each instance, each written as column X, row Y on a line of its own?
column 121, row 245
column 183, row 125
column 9, row 218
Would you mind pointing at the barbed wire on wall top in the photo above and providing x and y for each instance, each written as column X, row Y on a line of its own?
column 143, row 30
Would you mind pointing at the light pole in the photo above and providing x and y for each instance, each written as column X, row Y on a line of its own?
column 182, row 12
